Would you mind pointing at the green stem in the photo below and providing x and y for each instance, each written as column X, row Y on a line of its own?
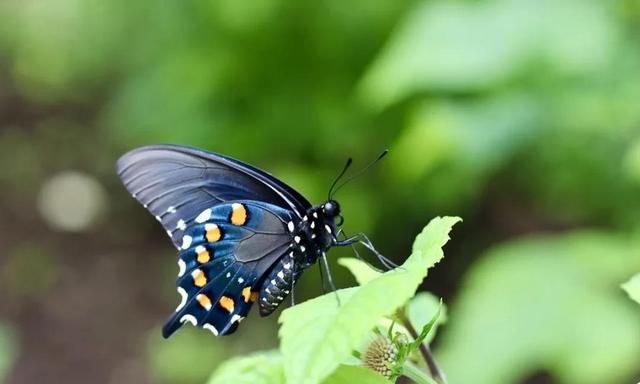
column 425, row 351
column 414, row 373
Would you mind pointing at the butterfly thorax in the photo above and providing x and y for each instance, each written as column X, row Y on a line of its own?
column 312, row 236
column 317, row 230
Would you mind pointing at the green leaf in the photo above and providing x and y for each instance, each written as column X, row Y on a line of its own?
column 549, row 303
column 416, row 374
column 316, row 336
column 423, row 308
column 478, row 136
column 426, row 328
column 7, row 351
column 632, row 287
column 359, row 269
column 186, row 358
column 350, row 374
column 473, row 46
column 257, row 368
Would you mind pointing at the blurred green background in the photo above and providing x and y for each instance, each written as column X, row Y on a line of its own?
column 521, row 116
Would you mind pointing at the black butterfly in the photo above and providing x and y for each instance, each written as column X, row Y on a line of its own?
column 243, row 235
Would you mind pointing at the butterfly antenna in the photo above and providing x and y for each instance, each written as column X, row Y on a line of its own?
column 344, row 170
column 363, row 170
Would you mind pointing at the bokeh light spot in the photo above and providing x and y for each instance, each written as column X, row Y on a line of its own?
column 71, row 201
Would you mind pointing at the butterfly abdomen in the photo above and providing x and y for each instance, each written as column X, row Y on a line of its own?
column 278, row 284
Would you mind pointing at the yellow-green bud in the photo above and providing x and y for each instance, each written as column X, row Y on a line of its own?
column 380, row 356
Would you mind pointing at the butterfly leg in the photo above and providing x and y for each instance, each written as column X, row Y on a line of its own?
column 364, row 240
column 324, row 285
column 385, row 261
column 325, row 263
column 357, row 253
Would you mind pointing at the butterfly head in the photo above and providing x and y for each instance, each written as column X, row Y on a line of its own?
column 331, row 210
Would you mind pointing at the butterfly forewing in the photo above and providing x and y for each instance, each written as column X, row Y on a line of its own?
column 177, row 183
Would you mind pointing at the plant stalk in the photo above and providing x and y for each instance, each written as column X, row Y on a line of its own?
column 425, row 351
column 414, row 373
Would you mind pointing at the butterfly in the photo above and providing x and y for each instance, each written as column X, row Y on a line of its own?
column 242, row 235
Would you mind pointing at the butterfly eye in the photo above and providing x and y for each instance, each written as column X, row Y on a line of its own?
column 331, row 208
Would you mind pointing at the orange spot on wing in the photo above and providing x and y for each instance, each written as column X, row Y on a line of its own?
column 246, row 294
column 204, row 301
column 254, row 296
column 227, row 303
column 213, row 233
column 203, row 257
column 199, row 279
column 238, row 214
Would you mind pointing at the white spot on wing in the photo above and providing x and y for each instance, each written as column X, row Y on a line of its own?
column 237, row 318
column 240, row 280
column 228, row 275
column 302, row 248
column 181, row 225
column 297, row 239
column 287, row 266
column 273, row 282
column 211, row 328
column 281, row 275
column 204, row 216
column 186, row 241
column 171, row 209
column 290, row 226
column 183, row 298
column 313, row 224
column 315, row 214
column 327, row 228
column 182, row 266
column 159, row 218
column 189, row 318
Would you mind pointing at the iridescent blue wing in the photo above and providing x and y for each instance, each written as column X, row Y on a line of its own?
column 224, row 257
column 176, row 183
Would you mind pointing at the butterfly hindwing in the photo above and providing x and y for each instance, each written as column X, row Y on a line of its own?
column 177, row 183
column 212, row 297
column 224, row 255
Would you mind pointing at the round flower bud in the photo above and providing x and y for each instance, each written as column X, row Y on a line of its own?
column 380, row 356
